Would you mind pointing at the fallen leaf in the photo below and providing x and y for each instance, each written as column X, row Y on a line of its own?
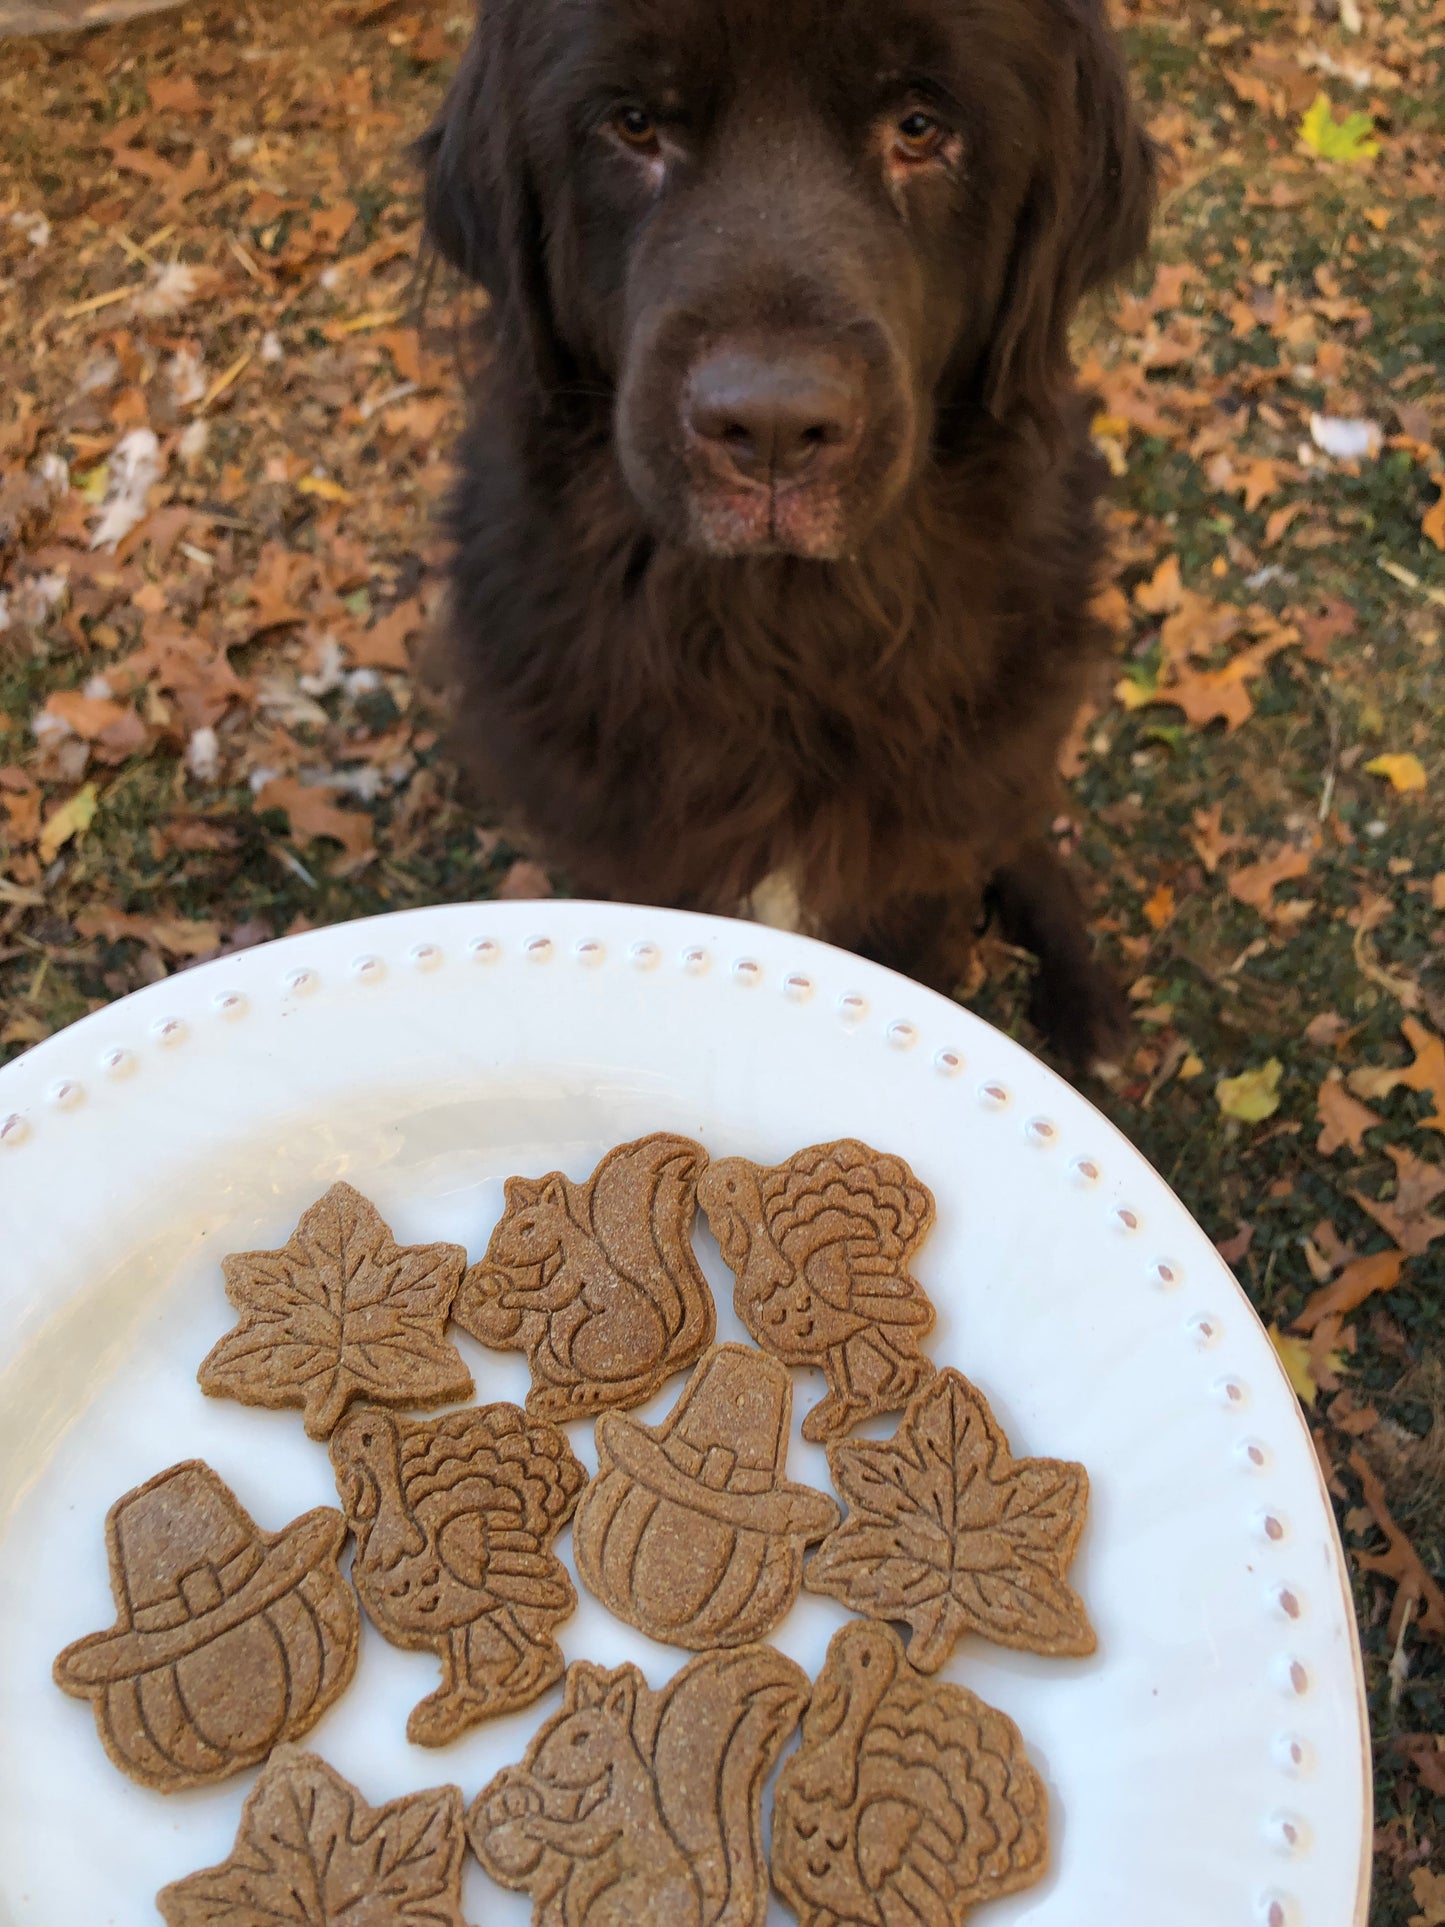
column 70, row 819
column 1362, row 1278
column 383, row 645
column 1426, row 1755
column 1404, row 772
column 176, row 936
column 949, row 1532
column 1253, row 1095
column 1405, row 1216
column 1437, row 891
column 1399, row 1561
column 1294, row 1355
column 1159, row 908
column 1234, row 1250
column 1434, row 522
column 1256, row 883
column 525, row 880
column 1348, row 140
column 1210, row 840
column 311, row 813
column 1344, row 1119
column 341, row 1311
column 1162, row 592
column 1426, row 1073
column 88, row 716
column 1326, row 1029
column 323, row 486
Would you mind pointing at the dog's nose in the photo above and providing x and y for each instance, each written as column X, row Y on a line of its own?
column 775, row 417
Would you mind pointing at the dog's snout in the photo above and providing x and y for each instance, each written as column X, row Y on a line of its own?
column 775, row 417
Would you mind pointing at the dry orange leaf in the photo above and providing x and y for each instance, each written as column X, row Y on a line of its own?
column 1427, row 1073
column 1434, row 522
column 311, row 813
column 1162, row 591
column 1159, row 908
column 176, row 936
column 1210, row 839
column 1405, row 1216
column 88, row 716
column 1399, row 1561
column 1343, row 1118
column 1256, row 883
column 1362, row 1278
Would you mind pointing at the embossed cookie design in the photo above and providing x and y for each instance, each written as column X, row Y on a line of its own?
column 819, row 1248
column 309, row 1849
column 341, row 1311
column 228, row 1639
column 641, row 1807
column 596, row 1282
column 908, row 1800
column 454, row 1520
column 950, row 1532
column 690, row 1532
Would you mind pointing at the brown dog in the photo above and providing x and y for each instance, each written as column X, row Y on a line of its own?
column 776, row 535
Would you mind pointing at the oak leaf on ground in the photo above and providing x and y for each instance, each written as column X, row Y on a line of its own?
column 1426, row 1073
column 1343, row 1119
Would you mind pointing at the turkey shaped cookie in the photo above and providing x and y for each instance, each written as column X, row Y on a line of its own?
column 908, row 1800
column 454, row 1519
column 819, row 1247
column 596, row 1282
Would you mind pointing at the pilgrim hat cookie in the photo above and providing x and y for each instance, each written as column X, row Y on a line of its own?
column 596, row 1282
column 228, row 1639
column 690, row 1532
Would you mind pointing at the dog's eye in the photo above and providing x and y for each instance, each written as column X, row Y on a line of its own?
column 917, row 137
column 636, row 128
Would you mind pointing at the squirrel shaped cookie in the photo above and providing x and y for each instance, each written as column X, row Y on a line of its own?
column 641, row 1806
column 596, row 1282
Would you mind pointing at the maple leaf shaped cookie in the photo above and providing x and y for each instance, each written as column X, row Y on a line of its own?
column 951, row 1533
column 341, row 1311
column 310, row 1851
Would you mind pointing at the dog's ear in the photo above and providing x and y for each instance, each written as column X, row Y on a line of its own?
column 480, row 203
column 1085, row 219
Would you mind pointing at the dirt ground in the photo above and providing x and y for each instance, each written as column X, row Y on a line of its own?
column 222, row 439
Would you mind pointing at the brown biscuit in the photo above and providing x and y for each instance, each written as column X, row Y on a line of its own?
column 950, row 1532
column 596, row 1282
column 819, row 1247
column 908, row 1800
column 309, row 1848
column 645, row 1807
column 454, row 1519
column 690, row 1531
column 341, row 1311
column 228, row 1639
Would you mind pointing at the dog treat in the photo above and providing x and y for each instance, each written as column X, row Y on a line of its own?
column 908, row 1800
column 341, row 1311
column 641, row 1807
column 228, row 1639
column 310, row 1850
column 819, row 1247
column 950, row 1532
column 690, row 1531
column 454, row 1520
column 596, row 1282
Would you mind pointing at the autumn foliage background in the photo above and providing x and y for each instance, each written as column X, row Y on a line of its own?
column 224, row 428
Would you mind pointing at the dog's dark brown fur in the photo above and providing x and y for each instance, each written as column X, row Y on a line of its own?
column 868, row 698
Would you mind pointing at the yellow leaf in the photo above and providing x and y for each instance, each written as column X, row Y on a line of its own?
column 1192, row 1067
column 1253, row 1095
column 1134, row 695
column 1405, row 772
column 1294, row 1355
column 70, row 819
column 1337, row 140
column 1160, row 907
column 323, row 486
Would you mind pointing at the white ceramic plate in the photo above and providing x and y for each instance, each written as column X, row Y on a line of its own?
column 1209, row 1767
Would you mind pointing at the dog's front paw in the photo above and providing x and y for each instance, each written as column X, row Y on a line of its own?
column 1084, row 1015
